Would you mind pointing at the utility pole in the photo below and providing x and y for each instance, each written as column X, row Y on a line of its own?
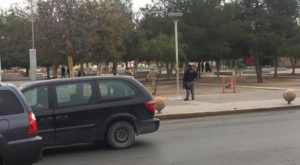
column 32, row 52
column 175, row 17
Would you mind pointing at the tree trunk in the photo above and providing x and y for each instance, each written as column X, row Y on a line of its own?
column 218, row 68
column 168, row 70
column 170, row 67
column 55, row 67
column 27, row 71
column 156, row 83
column 82, row 73
column 258, row 70
column 71, row 65
column 106, row 67
column 114, row 68
column 276, row 67
column 48, row 72
column 69, row 51
column 55, row 74
column 135, row 66
column 157, row 79
column 99, row 69
column 293, row 62
column 235, row 67
column 199, row 69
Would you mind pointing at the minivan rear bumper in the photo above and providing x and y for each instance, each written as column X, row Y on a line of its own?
column 16, row 150
column 148, row 126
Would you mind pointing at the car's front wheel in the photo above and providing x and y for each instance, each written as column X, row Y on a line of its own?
column 120, row 135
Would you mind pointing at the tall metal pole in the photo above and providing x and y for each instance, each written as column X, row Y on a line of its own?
column 175, row 17
column 0, row 70
column 32, row 26
column 1, row 38
column 176, row 50
column 32, row 52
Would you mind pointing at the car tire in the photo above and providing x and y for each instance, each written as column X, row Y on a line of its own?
column 120, row 135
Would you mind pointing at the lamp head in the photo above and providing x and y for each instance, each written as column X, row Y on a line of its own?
column 175, row 16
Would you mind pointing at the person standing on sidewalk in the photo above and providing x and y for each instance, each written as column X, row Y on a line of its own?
column 188, row 81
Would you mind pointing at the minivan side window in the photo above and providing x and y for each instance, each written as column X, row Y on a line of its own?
column 73, row 94
column 38, row 98
column 112, row 89
column 9, row 103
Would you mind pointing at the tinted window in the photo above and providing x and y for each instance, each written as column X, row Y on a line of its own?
column 9, row 103
column 37, row 98
column 73, row 94
column 112, row 89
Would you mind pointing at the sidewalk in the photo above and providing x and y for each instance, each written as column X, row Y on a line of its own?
column 228, row 103
column 250, row 97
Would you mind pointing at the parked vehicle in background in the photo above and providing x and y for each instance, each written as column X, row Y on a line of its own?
column 19, row 143
column 91, row 109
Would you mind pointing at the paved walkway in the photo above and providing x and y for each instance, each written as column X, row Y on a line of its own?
column 250, row 97
column 220, row 104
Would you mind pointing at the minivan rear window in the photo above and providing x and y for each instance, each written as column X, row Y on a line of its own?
column 9, row 103
column 112, row 89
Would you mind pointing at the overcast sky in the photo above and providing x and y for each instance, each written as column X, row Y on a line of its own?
column 7, row 3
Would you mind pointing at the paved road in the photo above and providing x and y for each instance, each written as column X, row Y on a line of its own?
column 250, row 139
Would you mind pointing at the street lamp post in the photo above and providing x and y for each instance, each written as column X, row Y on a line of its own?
column 2, row 38
column 32, row 52
column 0, row 70
column 175, row 17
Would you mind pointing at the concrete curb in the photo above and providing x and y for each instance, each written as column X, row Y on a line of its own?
column 219, row 113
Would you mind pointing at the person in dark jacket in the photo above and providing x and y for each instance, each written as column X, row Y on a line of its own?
column 188, row 80
column 63, row 72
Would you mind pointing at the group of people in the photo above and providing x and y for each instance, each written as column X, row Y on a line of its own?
column 206, row 66
column 66, row 72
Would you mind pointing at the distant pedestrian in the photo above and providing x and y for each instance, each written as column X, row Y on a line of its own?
column 63, row 72
column 128, row 72
column 188, row 81
column 202, row 67
column 207, row 67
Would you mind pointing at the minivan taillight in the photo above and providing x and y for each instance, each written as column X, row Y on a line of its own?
column 150, row 105
column 32, row 128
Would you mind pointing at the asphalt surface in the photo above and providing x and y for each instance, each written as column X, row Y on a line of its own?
column 271, row 138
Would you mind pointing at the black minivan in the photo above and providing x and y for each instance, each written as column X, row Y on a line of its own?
column 91, row 109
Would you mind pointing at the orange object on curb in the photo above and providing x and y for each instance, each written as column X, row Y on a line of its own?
column 228, row 82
